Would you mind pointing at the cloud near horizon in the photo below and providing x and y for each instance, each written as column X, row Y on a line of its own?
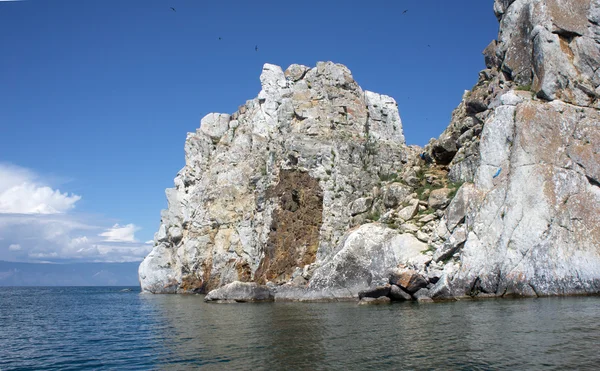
column 22, row 193
column 37, row 224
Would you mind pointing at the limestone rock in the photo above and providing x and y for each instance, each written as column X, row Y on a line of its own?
column 394, row 193
column 374, row 301
column 361, row 205
column 273, row 187
column 366, row 254
column 439, row 198
column 409, row 211
column 240, row 292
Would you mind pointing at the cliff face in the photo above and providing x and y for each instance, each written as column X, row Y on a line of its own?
column 310, row 188
column 531, row 202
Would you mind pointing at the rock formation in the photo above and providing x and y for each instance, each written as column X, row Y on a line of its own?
column 310, row 192
column 525, row 140
column 268, row 193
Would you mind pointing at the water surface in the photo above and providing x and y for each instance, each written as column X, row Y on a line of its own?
column 103, row 328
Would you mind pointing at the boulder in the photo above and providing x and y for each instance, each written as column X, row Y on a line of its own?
column 398, row 294
column 409, row 280
column 394, row 193
column 240, row 292
column 360, row 205
column 374, row 301
column 409, row 211
column 439, row 198
column 423, row 296
column 375, row 292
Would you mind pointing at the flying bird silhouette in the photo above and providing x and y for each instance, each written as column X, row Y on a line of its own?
column 405, row 11
column 173, row 9
column 256, row 47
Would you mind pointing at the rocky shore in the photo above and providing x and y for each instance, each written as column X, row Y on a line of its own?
column 309, row 192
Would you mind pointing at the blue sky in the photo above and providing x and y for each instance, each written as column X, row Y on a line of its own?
column 97, row 97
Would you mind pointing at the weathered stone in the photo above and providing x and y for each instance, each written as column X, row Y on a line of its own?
column 375, row 292
column 409, row 280
column 394, row 193
column 441, row 291
column 296, row 72
column 360, row 205
column 457, row 210
column 409, row 211
column 374, row 301
column 439, row 198
column 398, row 294
column 215, row 125
column 422, row 236
column 423, row 296
column 366, row 254
column 240, row 292
column 265, row 190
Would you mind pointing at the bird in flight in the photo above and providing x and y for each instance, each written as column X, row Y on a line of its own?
column 219, row 37
column 173, row 9
column 405, row 11
column 256, row 48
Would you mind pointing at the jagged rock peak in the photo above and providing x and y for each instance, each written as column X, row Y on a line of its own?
column 266, row 192
column 550, row 46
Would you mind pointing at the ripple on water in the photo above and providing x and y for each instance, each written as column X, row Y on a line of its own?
column 104, row 328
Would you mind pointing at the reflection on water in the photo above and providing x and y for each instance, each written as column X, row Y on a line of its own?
column 554, row 333
column 104, row 328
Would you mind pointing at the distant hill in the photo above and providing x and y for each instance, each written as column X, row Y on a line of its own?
column 73, row 274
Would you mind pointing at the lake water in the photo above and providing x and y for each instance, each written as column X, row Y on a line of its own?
column 103, row 328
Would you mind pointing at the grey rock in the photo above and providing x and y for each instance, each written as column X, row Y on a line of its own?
column 394, row 193
column 423, row 296
column 284, row 167
column 409, row 211
column 457, row 210
column 374, row 301
column 398, row 294
column 439, row 198
column 375, row 292
column 240, row 292
column 360, row 205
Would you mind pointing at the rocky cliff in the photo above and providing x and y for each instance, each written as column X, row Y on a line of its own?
column 311, row 191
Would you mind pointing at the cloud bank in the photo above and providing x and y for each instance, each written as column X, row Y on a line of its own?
column 37, row 223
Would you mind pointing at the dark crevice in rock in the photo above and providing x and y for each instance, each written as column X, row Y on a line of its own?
column 593, row 181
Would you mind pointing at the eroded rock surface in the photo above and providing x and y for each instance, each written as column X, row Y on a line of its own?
column 269, row 193
column 310, row 189
column 526, row 222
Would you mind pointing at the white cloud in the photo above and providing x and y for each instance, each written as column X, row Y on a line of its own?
column 63, row 238
column 14, row 247
column 120, row 233
column 22, row 193
column 149, row 242
column 37, row 224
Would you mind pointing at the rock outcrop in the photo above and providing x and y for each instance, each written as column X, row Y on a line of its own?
column 269, row 193
column 526, row 222
column 310, row 192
